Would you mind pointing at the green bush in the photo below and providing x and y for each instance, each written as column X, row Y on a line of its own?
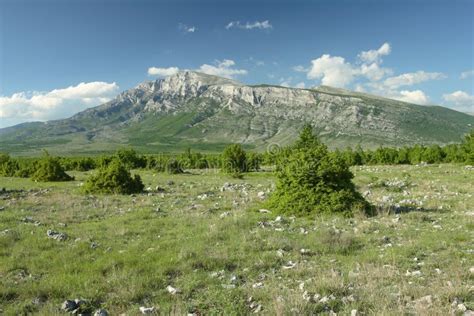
column 8, row 166
column 50, row 169
column 114, row 178
column 253, row 162
column 468, row 147
column 234, row 160
column 130, row 158
column 311, row 180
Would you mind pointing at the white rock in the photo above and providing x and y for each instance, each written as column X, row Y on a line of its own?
column 461, row 307
column 265, row 211
column 225, row 214
column 324, row 300
column 354, row 312
column 101, row 312
column 146, row 310
column 289, row 265
column 172, row 290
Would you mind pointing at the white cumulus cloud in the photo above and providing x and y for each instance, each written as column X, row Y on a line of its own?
column 333, row 71
column 461, row 100
column 375, row 55
column 411, row 78
column 54, row 104
column 249, row 26
column 336, row 71
column 415, row 96
column 162, row 72
column 373, row 71
column 222, row 68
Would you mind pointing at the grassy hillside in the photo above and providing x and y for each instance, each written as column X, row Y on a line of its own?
column 226, row 257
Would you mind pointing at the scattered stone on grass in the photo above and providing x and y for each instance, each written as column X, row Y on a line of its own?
column 147, row 310
column 56, row 235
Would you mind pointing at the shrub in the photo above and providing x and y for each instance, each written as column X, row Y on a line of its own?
column 8, row 166
column 312, row 180
column 114, row 178
column 468, row 147
column 253, row 162
column 50, row 169
column 130, row 158
column 234, row 160
column 173, row 167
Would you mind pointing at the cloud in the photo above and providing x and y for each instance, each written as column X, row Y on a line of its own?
column 222, row 68
column 287, row 82
column 368, row 75
column 333, row 71
column 300, row 68
column 187, row 29
column 411, row 78
column 250, row 26
column 415, row 96
column 54, row 104
column 300, row 85
column 467, row 74
column 162, row 72
column 460, row 99
column 373, row 71
column 375, row 55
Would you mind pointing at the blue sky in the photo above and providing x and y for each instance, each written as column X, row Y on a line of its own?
column 59, row 57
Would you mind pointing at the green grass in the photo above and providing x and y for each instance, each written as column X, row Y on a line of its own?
column 149, row 241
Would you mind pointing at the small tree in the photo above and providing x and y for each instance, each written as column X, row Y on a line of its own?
column 114, row 178
column 234, row 160
column 50, row 169
column 312, row 180
column 468, row 148
column 130, row 158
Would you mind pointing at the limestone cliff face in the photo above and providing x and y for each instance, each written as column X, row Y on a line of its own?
column 194, row 108
column 329, row 109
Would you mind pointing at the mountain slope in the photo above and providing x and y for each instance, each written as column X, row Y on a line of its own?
column 206, row 112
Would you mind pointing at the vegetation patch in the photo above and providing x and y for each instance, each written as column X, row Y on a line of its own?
column 50, row 169
column 234, row 160
column 312, row 180
column 114, row 178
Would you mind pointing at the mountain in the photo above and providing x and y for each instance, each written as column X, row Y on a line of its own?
column 205, row 112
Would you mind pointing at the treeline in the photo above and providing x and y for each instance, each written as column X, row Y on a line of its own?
column 434, row 154
column 26, row 167
column 235, row 160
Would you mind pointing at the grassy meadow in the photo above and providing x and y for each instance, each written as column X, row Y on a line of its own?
column 208, row 236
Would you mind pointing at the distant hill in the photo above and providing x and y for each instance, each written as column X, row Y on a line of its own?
column 205, row 112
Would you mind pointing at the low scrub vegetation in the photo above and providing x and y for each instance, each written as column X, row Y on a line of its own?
column 115, row 179
column 311, row 180
column 49, row 169
column 234, row 160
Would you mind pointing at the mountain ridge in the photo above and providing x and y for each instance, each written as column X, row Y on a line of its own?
column 192, row 109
